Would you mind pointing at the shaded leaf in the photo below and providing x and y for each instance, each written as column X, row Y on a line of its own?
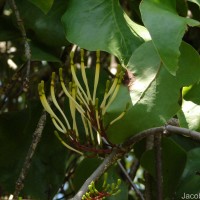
column 39, row 53
column 48, row 166
column 46, row 29
column 195, row 1
column 190, row 179
column 173, row 162
column 88, row 166
column 44, row 5
column 8, row 31
column 166, row 29
column 101, row 25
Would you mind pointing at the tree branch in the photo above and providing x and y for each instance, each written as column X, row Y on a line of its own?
column 108, row 161
column 27, row 48
column 117, row 153
column 183, row 131
column 27, row 163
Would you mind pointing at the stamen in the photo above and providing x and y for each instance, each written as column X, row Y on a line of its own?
column 84, row 75
column 78, row 107
column 96, row 79
column 47, row 107
column 120, row 116
column 75, row 77
column 55, row 101
column 65, row 144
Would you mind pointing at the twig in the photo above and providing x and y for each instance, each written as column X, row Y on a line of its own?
column 136, row 138
column 163, row 129
column 134, row 167
column 183, row 131
column 148, row 188
column 137, row 191
column 158, row 156
column 147, row 176
column 108, row 161
column 27, row 163
column 26, row 44
column 10, row 85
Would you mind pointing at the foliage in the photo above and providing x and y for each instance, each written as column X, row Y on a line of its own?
column 155, row 43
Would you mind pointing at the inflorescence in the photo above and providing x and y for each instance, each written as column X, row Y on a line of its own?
column 84, row 102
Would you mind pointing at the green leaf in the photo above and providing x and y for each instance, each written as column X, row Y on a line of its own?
column 88, row 166
column 173, row 163
column 40, row 53
column 44, row 5
column 190, row 179
column 195, row 1
column 46, row 29
column 157, row 95
column 166, row 29
column 101, row 25
column 8, row 30
column 144, row 70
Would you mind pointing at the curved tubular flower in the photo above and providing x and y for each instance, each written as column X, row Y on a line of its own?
column 81, row 102
column 57, row 123
column 55, row 101
column 75, row 77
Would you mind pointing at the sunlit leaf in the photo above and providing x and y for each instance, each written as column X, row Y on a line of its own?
column 190, row 115
column 192, row 93
column 166, row 29
column 158, row 95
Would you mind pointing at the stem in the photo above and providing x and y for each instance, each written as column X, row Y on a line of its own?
column 108, row 161
column 148, row 183
column 183, row 131
column 134, row 168
column 139, row 194
column 27, row 163
column 158, row 156
column 148, row 189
